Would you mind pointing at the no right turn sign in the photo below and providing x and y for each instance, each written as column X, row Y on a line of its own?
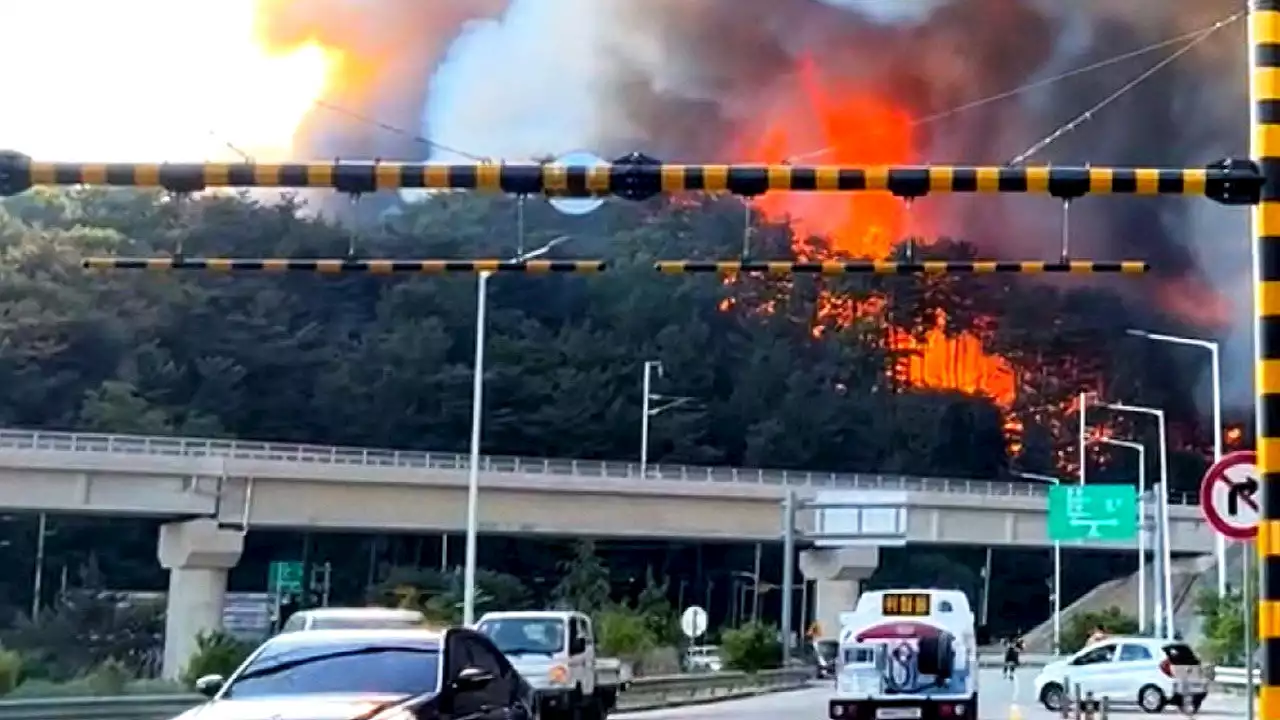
column 1229, row 495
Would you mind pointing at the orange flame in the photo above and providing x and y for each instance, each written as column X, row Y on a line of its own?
column 853, row 126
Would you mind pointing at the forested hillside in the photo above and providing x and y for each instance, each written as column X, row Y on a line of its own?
column 386, row 361
column 785, row 374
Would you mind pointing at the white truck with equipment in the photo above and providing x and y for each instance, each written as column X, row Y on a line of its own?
column 907, row 655
column 555, row 651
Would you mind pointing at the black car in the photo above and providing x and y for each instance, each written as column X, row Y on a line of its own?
column 384, row 674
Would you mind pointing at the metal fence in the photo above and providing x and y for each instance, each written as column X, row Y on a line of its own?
column 367, row 457
column 643, row 693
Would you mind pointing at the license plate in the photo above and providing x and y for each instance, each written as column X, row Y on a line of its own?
column 905, row 713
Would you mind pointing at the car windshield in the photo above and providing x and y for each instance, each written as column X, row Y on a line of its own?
column 524, row 636
column 399, row 668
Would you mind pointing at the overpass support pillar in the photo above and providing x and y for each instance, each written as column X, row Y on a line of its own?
column 197, row 554
column 839, row 573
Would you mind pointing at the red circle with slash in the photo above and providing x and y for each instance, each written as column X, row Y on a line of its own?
column 1229, row 495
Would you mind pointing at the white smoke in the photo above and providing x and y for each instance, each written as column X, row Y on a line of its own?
column 521, row 85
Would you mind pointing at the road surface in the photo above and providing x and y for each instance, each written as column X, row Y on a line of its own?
column 998, row 699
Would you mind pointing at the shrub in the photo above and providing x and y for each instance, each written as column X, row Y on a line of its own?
column 623, row 633
column 109, row 678
column 10, row 671
column 752, row 647
column 1113, row 621
column 217, row 653
column 1223, row 626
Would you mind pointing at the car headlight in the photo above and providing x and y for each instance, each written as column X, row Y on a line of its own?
column 558, row 674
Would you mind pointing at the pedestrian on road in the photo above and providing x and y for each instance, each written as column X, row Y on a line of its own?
column 1012, row 655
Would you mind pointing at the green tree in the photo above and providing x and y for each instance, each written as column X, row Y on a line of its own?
column 654, row 605
column 751, row 648
column 1223, row 626
column 217, row 653
column 439, row 595
column 624, row 633
column 1112, row 621
column 584, row 584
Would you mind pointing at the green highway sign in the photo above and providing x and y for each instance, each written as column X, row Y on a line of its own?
column 1093, row 512
column 285, row 577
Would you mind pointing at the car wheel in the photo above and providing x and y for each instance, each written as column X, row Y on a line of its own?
column 1052, row 697
column 1151, row 699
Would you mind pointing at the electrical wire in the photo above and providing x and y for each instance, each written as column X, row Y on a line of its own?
column 1189, row 39
column 1194, row 36
column 415, row 137
column 1087, row 115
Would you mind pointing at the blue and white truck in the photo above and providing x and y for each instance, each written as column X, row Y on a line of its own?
column 907, row 655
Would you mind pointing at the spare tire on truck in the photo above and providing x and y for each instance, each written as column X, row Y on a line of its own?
column 937, row 656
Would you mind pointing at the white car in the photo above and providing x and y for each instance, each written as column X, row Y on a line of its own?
column 366, row 618
column 703, row 658
column 1128, row 670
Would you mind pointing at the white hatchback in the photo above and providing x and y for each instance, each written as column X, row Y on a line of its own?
column 1147, row 671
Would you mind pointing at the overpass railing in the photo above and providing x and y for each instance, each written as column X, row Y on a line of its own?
column 334, row 455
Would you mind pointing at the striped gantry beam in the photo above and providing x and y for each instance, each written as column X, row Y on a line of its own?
column 885, row 267
column 335, row 266
column 1264, row 41
column 638, row 177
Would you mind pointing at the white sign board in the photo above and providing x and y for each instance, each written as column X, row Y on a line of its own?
column 871, row 518
column 693, row 622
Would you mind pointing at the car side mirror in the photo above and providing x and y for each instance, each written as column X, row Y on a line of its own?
column 472, row 678
column 209, row 685
column 578, row 646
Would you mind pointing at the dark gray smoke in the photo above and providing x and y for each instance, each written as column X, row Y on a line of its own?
column 685, row 80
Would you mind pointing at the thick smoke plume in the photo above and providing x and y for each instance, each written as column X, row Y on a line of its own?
column 688, row 80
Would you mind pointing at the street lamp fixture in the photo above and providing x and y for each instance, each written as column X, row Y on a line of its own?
column 1162, row 500
column 1057, row 568
column 1142, row 523
column 477, row 424
column 648, row 408
column 1220, row 543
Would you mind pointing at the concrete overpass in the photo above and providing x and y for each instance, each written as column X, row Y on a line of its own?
column 242, row 485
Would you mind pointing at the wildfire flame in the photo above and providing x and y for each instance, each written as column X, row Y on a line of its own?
column 852, row 126
column 153, row 80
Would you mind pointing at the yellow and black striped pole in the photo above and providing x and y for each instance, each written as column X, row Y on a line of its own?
column 1264, row 61
column 635, row 177
column 334, row 266
column 888, row 267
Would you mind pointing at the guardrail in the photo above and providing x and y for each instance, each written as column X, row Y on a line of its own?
column 1235, row 677
column 643, row 693
column 331, row 455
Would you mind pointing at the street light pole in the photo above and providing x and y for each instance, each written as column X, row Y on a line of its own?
column 1084, row 433
column 646, row 411
column 1057, row 568
column 37, row 582
column 477, row 423
column 1142, row 524
column 1220, row 543
column 1166, row 551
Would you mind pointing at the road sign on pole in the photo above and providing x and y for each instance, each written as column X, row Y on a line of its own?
column 1229, row 495
column 285, row 577
column 1093, row 512
column 693, row 622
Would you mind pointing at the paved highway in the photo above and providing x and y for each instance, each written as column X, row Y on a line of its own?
column 999, row 699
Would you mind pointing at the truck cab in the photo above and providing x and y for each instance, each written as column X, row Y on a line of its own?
column 555, row 651
column 907, row 655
